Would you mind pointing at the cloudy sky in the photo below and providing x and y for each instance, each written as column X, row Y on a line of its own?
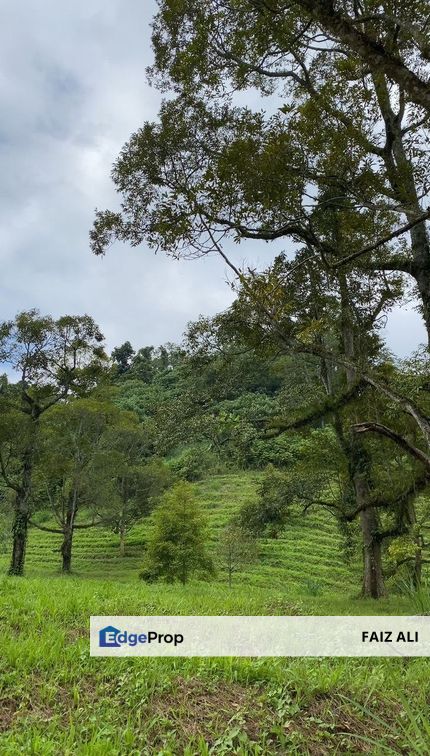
column 72, row 89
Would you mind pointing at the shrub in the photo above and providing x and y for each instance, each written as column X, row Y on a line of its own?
column 192, row 464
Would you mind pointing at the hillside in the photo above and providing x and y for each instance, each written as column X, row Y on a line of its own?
column 305, row 559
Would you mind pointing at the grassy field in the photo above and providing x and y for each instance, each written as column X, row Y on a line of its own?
column 55, row 699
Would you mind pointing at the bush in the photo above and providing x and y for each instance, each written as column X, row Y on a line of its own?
column 277, row 451
column 269, row 515
column 192, row 464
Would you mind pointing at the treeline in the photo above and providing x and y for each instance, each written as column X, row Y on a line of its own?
column 88, row 440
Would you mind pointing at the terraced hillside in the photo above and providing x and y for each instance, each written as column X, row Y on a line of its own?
column 306, row 559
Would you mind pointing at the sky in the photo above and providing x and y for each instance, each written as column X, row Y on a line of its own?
column 72, row 90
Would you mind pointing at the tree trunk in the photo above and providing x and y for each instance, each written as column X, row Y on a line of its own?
column 422, row 277
column 22, row 511
column 400, row 173
column 371, row 51
column 66, row 550
column 359, row 470
column 420, row 246
column 68, row 530
column 373, row 578
column 122, row 542
column 19, row 531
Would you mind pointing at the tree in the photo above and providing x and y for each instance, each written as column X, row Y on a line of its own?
column 143, row 366
column 65, row 476
column 197, row 45
column 236, row 549
column 272, row 510
column 176, row 548
column 130, row 483
column 344, row 118
column 53, row 359
column 122, row 357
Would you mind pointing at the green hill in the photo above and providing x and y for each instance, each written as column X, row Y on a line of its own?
column 305, row 559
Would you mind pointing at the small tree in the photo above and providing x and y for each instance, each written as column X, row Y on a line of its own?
column 71, row 437
column 236, row 549
column 269, row 514
column 129, row 490
column 177, row 545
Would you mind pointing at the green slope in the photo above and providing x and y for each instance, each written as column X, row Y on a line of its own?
column 306, row 559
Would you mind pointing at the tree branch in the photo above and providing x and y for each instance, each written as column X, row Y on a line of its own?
column 380, row 243
column 7, row 480
column 372, row 52
column 398, row 439
column 45, row 529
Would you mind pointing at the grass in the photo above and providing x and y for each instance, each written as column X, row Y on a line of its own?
column 306, row 558
column 55, row 699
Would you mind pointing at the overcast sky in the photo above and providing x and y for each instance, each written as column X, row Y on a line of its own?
column 72, row 89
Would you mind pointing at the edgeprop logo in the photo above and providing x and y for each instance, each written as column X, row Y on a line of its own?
column 111, row 637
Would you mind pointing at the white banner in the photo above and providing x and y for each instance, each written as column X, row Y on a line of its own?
column 260, row 636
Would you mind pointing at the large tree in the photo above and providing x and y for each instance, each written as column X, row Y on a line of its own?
column 343, row 115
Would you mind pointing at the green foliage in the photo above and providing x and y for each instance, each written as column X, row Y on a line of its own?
column 192, row 464
column 122, row 357
column 402, row 549
column 71, row 440
column 270, row 513
column 177, row 546
column 278, row 452
column 131, row 488
column 53, row 357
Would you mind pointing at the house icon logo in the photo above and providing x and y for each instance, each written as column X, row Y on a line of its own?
column 108, row 637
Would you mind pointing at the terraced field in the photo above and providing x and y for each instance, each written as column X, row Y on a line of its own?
column 305, row 559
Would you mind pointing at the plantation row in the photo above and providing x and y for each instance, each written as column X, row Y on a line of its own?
column 306, row 555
